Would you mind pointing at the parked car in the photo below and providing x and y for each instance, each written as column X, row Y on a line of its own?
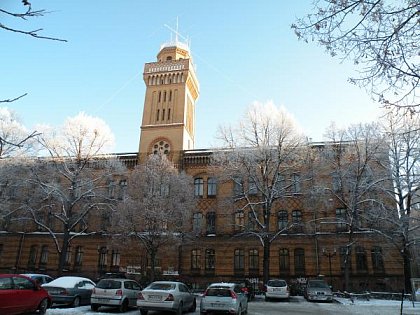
column 166, row 296
column 73, row 291
column 121, row 293
column 224, row 297
column 20, row 294
column 318, row 290
column 40, row 278
column 277, row 289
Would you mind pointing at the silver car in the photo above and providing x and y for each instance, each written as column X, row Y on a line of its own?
column 277, row 289
column 318, row 290
column 224, row 297
column 166, row 296
column 121, row 293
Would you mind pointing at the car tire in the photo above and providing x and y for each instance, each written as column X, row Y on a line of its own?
column 267, row 299
column 123, row 307
column 94, row 307
column 143, row 312
column 42, row 307
column 76, row 302
column 193, row 307
column 179, row 310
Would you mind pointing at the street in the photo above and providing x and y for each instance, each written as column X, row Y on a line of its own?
column 296, row 305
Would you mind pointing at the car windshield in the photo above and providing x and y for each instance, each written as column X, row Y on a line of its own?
column 218, row 292
column 276, row 283
column 162, row 286
column 317, row 284
column 109, row 284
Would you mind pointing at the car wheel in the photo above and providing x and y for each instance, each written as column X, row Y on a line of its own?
column 143, row 312
column 42, row 307
column 94, row 307
column 267, row 299
column 179, row 310
column 76, row 302
column 123, row 307
column 193, row 307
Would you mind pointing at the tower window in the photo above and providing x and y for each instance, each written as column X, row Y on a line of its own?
column 160, row 96
column 164, row 96
column 168, row 58
column 163, row 114
column 157, row 115
column 169, row 113
column 170, row 95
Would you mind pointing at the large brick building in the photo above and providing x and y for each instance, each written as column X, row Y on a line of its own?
column 316, row 244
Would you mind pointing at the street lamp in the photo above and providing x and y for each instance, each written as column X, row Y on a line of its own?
column 329, row 254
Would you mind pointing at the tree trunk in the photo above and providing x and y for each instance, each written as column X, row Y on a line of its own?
column 266, row 259
column 152, row 265
column 407, row 269
column 63, row 253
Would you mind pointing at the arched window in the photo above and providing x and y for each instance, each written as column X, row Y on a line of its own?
column 239, row 221
column 198, row 187
column 377, row 260
column 297, row 221
column 102, row 259
column 43, row 260
column 211, row 187
column 282, row 220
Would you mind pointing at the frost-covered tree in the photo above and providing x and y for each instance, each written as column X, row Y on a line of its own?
column 356, row 160
column 157, row 210
column 15, row 139
column 403, row 138
column 381, row 37
column 62, row 191
column 262, row 157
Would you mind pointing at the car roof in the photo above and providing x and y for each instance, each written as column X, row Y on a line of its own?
column 222, row 284
column 67, row 281
column 35, row 275
column 117, row 279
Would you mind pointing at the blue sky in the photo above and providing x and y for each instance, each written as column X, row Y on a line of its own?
column 244, row 51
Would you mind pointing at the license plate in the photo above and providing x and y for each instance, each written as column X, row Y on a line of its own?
column 103, row 300
column 320, row 293
column 154, row 298
column 216, row 304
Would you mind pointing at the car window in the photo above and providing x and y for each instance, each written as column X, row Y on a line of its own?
column 218, row 292
column 128, row 285
column 162, row 286
column 317, row 284
column 23, row 284
column 108, row 284
column 5, row 283
column 276, row 283
column 136, row 286
column 183, row 288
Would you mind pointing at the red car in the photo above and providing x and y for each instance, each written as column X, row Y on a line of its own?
column 20, row 294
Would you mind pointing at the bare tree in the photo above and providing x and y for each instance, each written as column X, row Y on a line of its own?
column 60, row 192
column 262, row 158
column 403, row 138
column 15, row 140
column 382, row 38
column 158, row 207
column 26, row 13
column 356, row 158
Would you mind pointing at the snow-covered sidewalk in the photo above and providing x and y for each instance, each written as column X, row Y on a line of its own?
column 392, row 305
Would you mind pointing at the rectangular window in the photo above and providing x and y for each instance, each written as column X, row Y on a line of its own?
column 297, row 221
column 284, row 261
column 361, row 259
column 299, row 262
column 377, row 260
column 280, row 185
column 102, row 262
column 211, row 223
column 238, row 189
column 345, row 258
column 210, row 259
column 252, row 221
column 253, row 259
column 123, row 189
column 115, row 262
column 341, row 219
column 78, row 258
column 239, row 221
column 253, row 188
column 157, row 115
column 196, row 259
column 68, row 257
column 336, row 182
column 296, row 183
column 111, row 189
column 197, row 222
column 33, row 253
column 43, row 260
column 239, row 260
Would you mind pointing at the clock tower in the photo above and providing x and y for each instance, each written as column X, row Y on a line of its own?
column 172, row 90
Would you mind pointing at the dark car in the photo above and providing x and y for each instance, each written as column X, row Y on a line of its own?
column 73, row 291
column 248, row 289
column 20, row 294
column 40, row 278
